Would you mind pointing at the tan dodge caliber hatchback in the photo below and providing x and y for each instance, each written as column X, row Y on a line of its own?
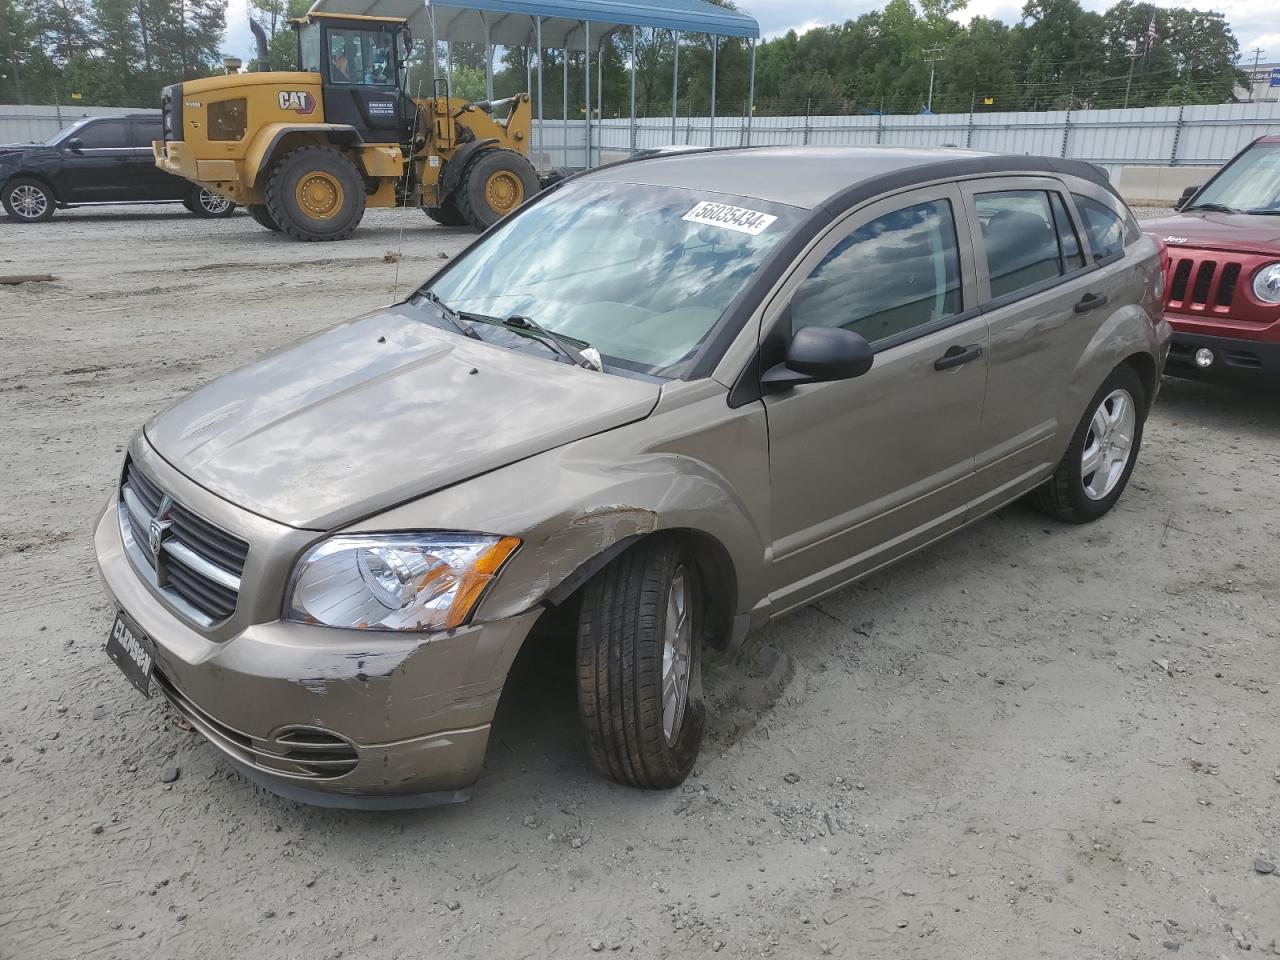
column 675, row 397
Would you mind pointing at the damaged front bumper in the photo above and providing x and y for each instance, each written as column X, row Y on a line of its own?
column 333, row 717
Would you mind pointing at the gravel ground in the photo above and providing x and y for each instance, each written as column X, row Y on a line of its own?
column 1032, row 740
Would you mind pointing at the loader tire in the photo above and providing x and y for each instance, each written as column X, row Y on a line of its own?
column 447, row 214
column 315, row 193
column 262, row 216
column 495, row 183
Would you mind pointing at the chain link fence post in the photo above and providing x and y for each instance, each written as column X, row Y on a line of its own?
column 1177, row 132
column 805, row 141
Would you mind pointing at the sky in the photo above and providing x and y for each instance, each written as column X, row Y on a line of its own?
column 1256, row 23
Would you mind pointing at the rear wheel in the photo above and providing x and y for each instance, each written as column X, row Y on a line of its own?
column 28, row 200
column 1102, row 454
column 262, row 216
column 495, row 183
column 205, row 203
column 447, row 214
column 640, row 665
column 315, row 193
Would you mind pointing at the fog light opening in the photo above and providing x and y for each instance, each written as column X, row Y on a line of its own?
column 1204, row 358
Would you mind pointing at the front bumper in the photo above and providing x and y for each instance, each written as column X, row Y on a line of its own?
column 333, row 717
column 1234, row 360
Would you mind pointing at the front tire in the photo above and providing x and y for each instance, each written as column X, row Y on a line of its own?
column 316, row 193
column 494, row 184
column 1102, row 454
column 209, row 205
column 640, row 665
column 262, row 216
column 28, row 201
column 447, row 214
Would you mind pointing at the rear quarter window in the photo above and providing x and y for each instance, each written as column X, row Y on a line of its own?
column 1107, row 231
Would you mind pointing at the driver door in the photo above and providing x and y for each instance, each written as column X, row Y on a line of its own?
column 367, row 94
column 867, row 469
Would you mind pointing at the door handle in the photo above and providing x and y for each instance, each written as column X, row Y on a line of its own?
column 1090, row 301
column 957, row 355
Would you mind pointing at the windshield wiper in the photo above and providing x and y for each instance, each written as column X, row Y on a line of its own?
column 452, row 315
column 1214, row 208
column 1264, row 212
column 587, row 357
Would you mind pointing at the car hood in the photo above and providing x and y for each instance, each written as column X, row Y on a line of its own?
column 377, row 411
column 1218, row 231
column 14, row 149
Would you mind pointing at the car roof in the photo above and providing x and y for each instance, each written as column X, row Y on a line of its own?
column 808, row 177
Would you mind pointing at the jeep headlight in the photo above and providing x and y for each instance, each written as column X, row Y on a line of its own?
column 398, row 581
column 1266, row 283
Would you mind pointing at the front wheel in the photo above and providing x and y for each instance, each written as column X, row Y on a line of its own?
column 316, row 193
column 28, row 200
column 640, row 665
column 205, row 203
column 1102, row 454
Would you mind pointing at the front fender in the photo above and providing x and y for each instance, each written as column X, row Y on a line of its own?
column 573, row 507
column 270, row 139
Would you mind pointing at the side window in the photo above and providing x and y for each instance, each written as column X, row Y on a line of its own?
column 1020, row 238
column 104, row 134
column 1071, row 255
column 893, row 275
column 143, row 132
column 1105, row 227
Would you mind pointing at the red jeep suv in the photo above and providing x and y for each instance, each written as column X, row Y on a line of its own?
column 1222, row 275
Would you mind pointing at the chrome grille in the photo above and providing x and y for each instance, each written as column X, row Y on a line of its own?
column 195, row 564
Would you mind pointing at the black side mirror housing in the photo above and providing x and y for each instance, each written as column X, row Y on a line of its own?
column 75, row 144
column 821, row 355
column 1187, row 194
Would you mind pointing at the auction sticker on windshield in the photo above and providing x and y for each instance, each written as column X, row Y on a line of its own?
column 741, row 219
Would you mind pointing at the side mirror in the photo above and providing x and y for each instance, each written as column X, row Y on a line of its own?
column 821, row 355
column 75, row 144
column 1187, row 194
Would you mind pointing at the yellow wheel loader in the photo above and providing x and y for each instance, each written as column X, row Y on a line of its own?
column 307, row 151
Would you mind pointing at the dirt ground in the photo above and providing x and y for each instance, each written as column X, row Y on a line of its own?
column 1032, row 740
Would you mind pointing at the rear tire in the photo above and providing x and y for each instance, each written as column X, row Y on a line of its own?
column 262, row 216
column 1102, row 454
column 447, row 214
column 28, row 200
column 494, row 184
column 205, row 203
column 315, row 193
column 640, row 665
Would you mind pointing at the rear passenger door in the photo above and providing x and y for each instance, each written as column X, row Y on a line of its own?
column 864, row 470
column 141, row 179
column 1042, row 300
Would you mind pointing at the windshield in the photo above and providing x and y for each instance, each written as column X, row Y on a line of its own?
column 1250, row 185
column 68, row 132
column 640, row 273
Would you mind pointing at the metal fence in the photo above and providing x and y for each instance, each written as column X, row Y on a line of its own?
column 26, row 123
column 1155, row 136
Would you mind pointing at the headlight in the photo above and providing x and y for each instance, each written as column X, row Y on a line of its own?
column 1266, row 283
column 399, row 581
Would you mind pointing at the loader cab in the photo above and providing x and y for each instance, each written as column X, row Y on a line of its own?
column 362, row 66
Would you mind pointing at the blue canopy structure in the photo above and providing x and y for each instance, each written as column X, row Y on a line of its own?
column 570, row 25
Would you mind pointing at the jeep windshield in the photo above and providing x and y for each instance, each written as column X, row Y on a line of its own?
column 1250, row 185
column 641, row 273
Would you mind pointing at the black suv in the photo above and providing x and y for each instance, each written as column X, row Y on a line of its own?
column 96, row 160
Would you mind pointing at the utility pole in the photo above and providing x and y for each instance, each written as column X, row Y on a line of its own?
column 1133, row 58
column 932, row 55
column 1253, row 77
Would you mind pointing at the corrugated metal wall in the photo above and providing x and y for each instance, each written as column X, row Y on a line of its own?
column 1159, row 136
column 23, row 124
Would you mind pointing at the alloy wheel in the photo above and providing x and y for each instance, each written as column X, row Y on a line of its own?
column 677, row 651
column 29, row 201
column 212, row 203
column 1108, row 445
